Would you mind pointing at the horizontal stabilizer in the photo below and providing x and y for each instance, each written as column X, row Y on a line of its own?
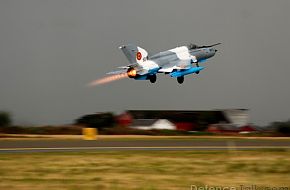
column 124, row 67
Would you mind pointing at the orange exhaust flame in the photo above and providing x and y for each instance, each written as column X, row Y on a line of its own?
column 108, row 79
column 132, row 73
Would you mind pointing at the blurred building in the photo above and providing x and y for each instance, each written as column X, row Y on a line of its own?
column 237, row 117
column 149, row 124
column 189, row 120
column 223, row 128
column 231, row 129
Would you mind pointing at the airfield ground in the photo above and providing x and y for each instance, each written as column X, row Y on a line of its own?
column 64, row 162
column 126, row 137
column 144, row 169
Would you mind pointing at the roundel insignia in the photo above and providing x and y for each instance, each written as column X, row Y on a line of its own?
column 139, row 56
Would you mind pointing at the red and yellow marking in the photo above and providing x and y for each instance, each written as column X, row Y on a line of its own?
column 138, row 56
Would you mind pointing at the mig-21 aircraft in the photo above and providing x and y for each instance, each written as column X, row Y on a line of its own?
column 176, row 62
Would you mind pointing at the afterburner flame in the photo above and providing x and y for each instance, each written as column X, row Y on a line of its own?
column 132, row 73
column 108, row 79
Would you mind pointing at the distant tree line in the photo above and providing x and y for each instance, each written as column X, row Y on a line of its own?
column 5, row 119
column 107, row 121
column 281, row 127
column 97, row 120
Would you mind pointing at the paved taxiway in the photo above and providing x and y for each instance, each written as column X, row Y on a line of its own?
column 148, row 144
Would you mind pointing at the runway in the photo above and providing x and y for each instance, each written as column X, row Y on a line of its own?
column 13, row 146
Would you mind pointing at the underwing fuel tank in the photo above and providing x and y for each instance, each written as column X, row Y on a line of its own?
column 186, row 72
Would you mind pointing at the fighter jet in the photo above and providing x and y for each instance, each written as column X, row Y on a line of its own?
column 176, row 62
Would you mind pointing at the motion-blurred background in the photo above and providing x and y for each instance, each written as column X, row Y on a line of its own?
column 226, row 129
column 50, row 51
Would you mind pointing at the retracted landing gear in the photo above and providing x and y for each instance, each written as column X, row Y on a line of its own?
column 180, row 80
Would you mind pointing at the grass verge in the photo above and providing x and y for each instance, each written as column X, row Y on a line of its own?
column 144, row 169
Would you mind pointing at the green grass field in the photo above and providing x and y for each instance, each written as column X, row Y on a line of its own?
column 144, row 169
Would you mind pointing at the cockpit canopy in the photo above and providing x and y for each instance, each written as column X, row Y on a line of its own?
column 192, row 46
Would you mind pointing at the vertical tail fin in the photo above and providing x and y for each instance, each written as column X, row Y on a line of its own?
column 134, row 53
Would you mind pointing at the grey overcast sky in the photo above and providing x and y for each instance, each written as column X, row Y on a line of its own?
column 50, row 50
